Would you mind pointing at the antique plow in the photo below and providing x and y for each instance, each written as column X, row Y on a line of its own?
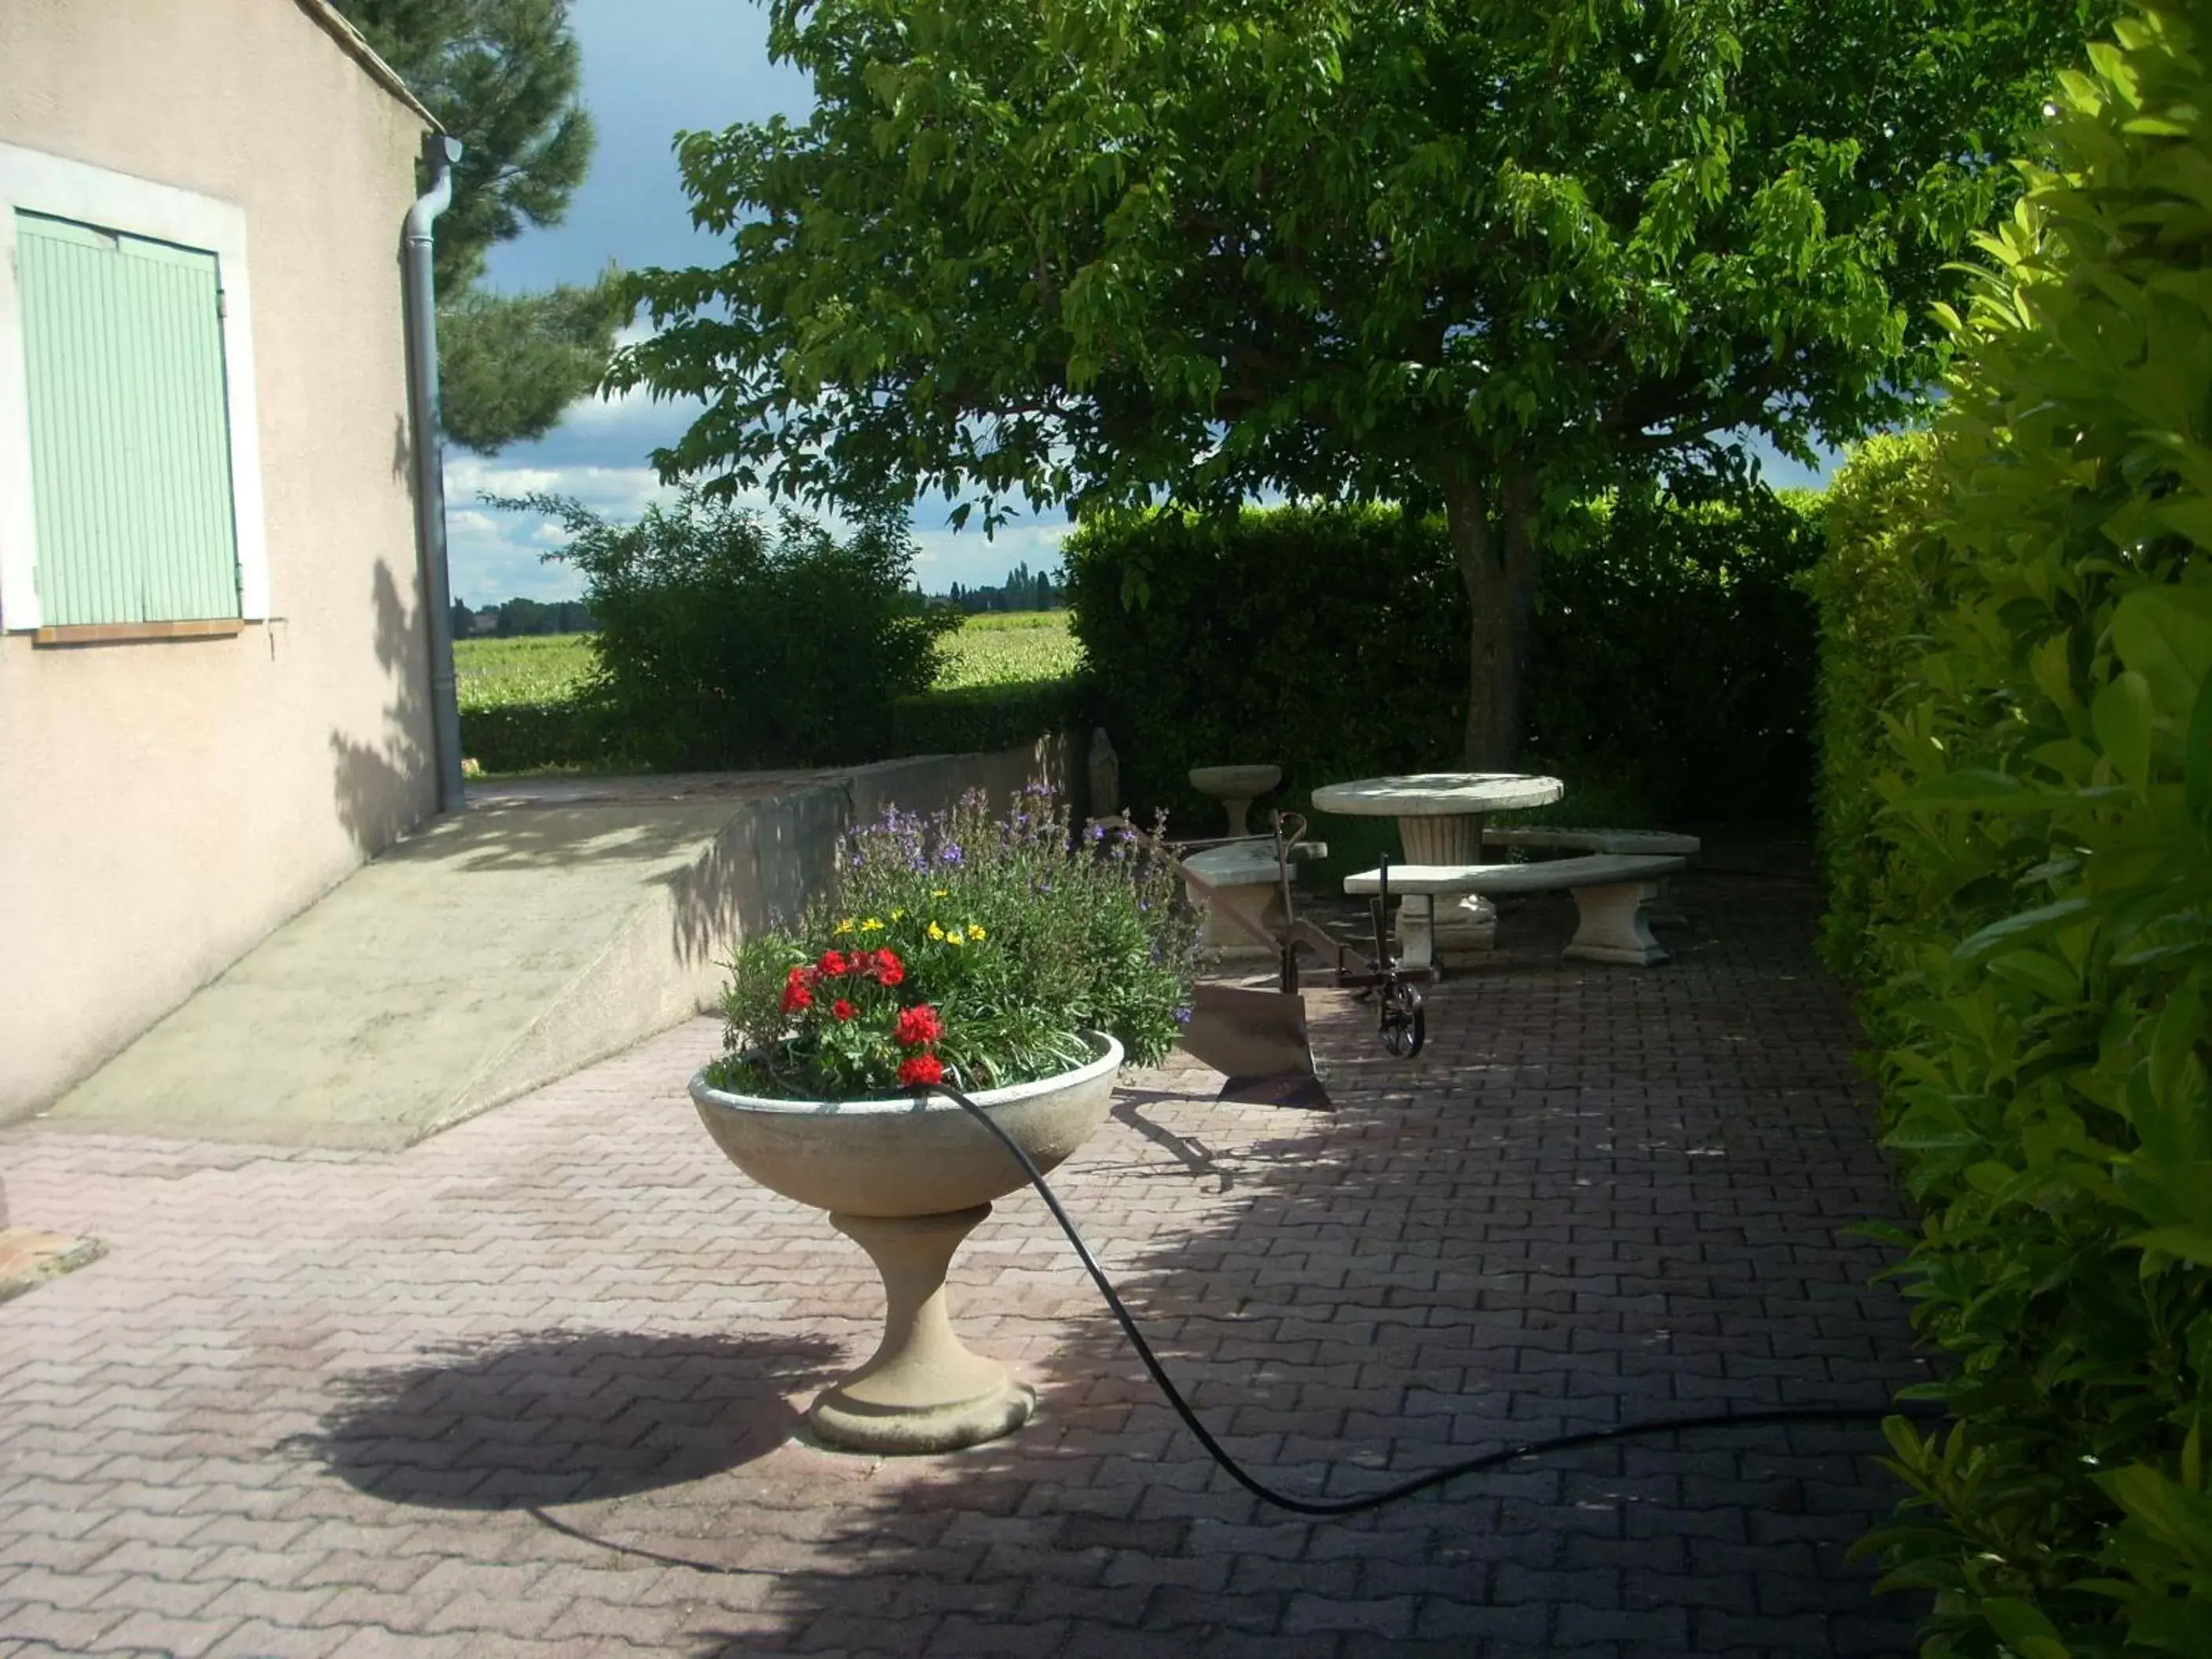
column 1257, row 1038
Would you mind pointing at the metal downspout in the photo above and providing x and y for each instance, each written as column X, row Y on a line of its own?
column 438, row 154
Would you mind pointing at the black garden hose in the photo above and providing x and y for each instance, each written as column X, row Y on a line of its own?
column 1376, row 1500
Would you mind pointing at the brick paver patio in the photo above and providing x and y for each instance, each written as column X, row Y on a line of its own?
column 530, row 1386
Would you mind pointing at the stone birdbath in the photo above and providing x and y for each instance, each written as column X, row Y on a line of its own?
column 907, row 1181
column 1440, row 816
column 1236, row 788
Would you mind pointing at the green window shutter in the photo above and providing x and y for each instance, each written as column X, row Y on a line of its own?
column 129, row 426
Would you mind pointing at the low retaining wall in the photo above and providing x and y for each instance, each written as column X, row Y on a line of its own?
column 508, row 945
column 778, row 855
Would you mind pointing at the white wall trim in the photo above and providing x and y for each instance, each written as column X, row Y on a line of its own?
column 36, row 182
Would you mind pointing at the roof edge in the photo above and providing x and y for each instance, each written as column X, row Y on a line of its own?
column 335, row 24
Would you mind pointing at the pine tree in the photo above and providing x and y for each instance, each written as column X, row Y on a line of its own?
column 501, row 76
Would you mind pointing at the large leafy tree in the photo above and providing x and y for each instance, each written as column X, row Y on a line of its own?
column 1480, row 254
column 501, row 76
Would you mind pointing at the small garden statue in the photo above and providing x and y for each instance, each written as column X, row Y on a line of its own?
column 1103, row 775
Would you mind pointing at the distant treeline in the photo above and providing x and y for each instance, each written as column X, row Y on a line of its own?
column 1023, row 589
column 519, row 617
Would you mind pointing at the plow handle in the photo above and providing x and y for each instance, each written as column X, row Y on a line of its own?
column 1153, row 845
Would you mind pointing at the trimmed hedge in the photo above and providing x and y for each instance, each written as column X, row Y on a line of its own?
column 520, row 736
column 517, row 737
column 1330, row 641
column 966, row 719
column 1674, row 657
column 2042, row 925
column 1871, row 601
column 1673, row 650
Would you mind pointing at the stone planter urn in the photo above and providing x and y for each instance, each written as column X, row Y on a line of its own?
column 1236, row 788
column 907, row 1181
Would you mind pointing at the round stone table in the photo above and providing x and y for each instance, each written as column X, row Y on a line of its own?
column 1440, row 818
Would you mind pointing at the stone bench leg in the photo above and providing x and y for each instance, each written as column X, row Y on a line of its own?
column 1468, row 928
column 1614, row 928
column 1425, row 937
column 1417, row 932
column 1221, row 937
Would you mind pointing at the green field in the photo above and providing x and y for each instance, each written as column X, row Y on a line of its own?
column 997, row 649
column 536, row 668
column 989, row 650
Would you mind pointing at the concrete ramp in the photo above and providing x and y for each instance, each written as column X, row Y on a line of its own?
column 498, row 950
column 556, row 921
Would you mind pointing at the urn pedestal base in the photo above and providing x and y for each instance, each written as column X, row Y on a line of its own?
column 907, row 1179
column 924, row 1391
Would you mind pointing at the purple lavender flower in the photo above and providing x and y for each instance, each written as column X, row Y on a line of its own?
column 1183, row 1016
column 950, row 853
column 1093, row 834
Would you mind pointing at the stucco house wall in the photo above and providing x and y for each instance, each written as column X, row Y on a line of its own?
column 165, row 803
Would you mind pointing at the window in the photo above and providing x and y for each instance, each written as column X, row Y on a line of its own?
column 128, row 476
column 130, row 435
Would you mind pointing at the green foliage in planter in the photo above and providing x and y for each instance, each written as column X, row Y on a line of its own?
column 1672, row 674
column 723, row 644
column 961, row 719
column 963, row 948
column 1871, row 600
column 2044, row 929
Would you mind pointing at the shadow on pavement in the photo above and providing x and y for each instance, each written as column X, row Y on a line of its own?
column 564, row 1417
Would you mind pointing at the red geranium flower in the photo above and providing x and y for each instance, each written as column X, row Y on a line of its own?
column 921, row 1068
column 888, row 970
column 833, row 963
column 796, row 997
column 917, row 1027
column 844, row 1009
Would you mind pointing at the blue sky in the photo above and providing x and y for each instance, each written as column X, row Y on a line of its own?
column 652, row 68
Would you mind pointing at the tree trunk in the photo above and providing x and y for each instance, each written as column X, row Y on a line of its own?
column 1490, row 528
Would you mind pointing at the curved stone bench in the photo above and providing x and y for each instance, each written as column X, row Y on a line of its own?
column 1240, row 878
column 1611, row 891
column 1573, row 839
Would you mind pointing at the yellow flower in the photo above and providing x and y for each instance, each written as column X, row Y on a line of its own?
column 952, row 936
column 871, row 926
column 842, row 928
column 898, row 915
column 975, row 933
column 935, row 932
column 940, row 892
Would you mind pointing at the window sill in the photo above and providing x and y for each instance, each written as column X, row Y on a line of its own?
column 134, row 633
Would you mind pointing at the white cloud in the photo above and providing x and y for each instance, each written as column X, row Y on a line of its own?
column 497, row 555
column 948, row 556
column 599, row 456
